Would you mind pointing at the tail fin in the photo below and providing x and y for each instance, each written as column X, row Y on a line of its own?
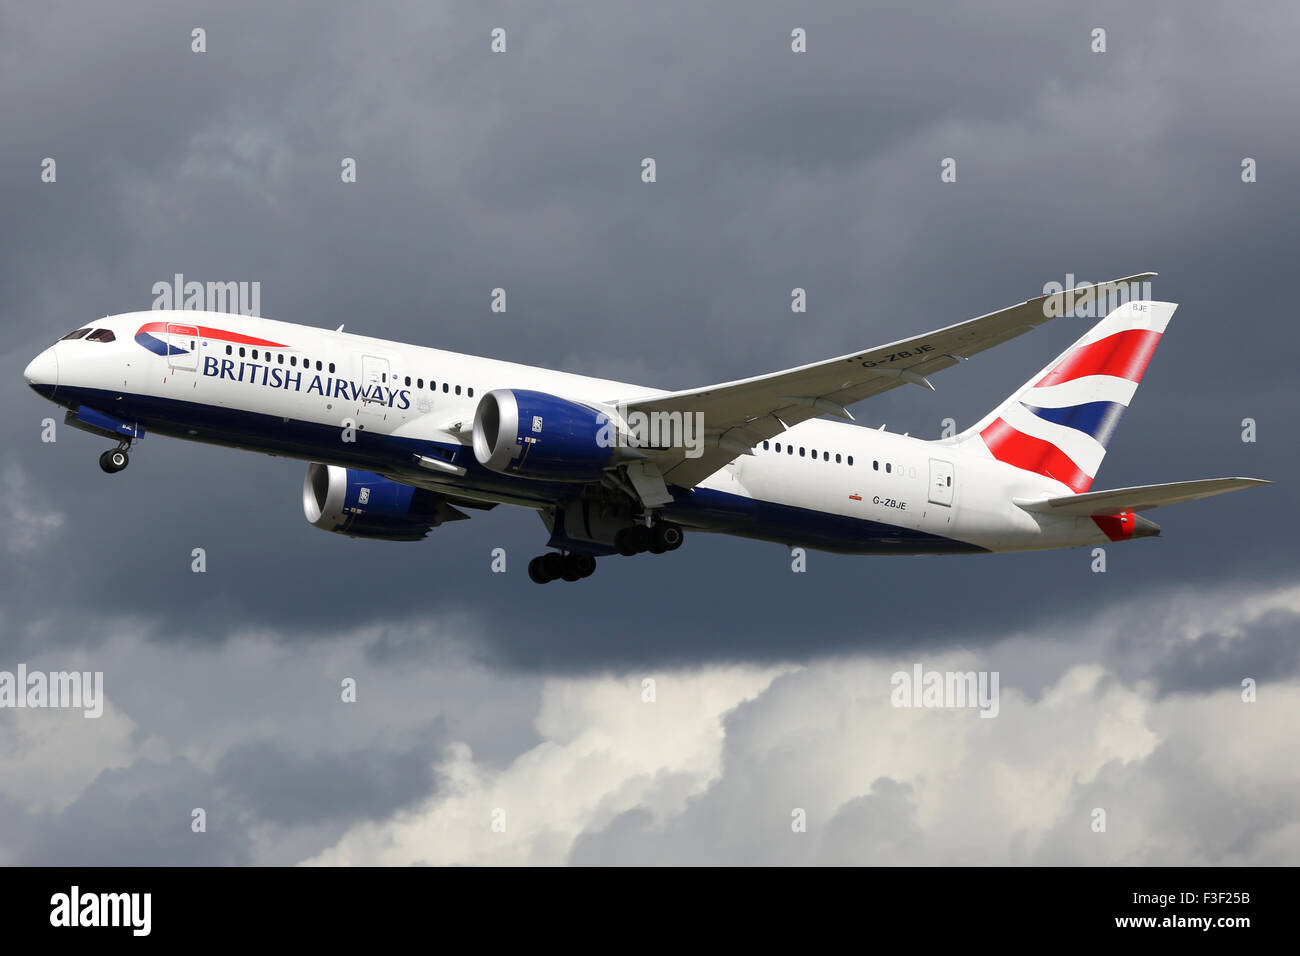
column 1059, row 422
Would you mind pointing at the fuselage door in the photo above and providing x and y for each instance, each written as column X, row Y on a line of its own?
column 182, row 347
column 941, row 482
column 376, row 380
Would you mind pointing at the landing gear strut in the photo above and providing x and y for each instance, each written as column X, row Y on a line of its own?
column 115, row 459
column 553, row 566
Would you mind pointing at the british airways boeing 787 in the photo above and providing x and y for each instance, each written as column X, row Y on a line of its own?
column 402, row 438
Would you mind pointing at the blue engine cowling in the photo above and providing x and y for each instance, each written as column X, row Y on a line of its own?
column 362, row 504
column 541, row 436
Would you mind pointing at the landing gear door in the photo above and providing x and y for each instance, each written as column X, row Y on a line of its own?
column 941, row 482
column 182, row 347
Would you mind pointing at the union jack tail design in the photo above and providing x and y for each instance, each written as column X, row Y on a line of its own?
column 1060, row 422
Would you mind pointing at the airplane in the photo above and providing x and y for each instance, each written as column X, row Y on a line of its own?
column 400, row 438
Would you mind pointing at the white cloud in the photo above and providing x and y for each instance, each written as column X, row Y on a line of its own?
column 714, row 769
column 604, row 751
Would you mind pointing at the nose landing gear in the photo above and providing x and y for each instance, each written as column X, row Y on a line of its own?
column 115, row 459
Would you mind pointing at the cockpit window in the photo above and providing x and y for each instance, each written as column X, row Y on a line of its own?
column 78, row 333
column 101, row 335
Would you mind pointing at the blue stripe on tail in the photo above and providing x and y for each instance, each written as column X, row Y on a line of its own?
column 1098, row 419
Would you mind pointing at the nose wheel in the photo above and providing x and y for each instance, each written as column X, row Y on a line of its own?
column 114, row 460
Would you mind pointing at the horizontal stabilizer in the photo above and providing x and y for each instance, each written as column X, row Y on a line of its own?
column 1137, row 498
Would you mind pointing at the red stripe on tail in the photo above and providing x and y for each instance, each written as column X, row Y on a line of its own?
column 1123, row 355
column 1033, row 454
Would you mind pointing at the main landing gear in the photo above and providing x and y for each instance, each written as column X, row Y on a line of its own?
column 656, row 539
column 573, row 566
column 115, row 459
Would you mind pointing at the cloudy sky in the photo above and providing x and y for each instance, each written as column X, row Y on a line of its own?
column 482, row 697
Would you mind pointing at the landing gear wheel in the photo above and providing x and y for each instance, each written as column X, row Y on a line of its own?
column 571, row 572
column 585, row 564
column 623, row 542
column 552, row 565
column 667, row 537
column 640, row 538
column 571, row 567
column 114, row 460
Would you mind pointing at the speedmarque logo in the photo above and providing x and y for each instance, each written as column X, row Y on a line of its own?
column 102, row 909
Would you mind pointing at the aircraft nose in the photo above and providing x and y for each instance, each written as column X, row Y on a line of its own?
column 42, row 373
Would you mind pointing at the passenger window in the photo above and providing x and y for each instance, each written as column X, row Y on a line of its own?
column 75, row 334
column 408, row 381
column 850, row 459
column 837, row 458
column 457, row 389
column 888, row 467
column 826, row 456
column 293, row 360
column 875, row 466
column 765, row 446
column 419, row 383
column 331, row 368
column 778, row 446
column 241, row 352
column 789, row 449
column 444, row 386
column 471, row 393
column 229, row 350
column 254, row 353
column 280, row 358
column 801, row 451
column 318, row 367
column 950, row 481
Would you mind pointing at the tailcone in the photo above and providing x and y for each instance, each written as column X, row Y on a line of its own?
column 1145, row 527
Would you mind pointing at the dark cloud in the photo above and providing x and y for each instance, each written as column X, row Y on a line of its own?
column 521, row 170
column 1267, row 653
column 141, row 816
column 290, row 788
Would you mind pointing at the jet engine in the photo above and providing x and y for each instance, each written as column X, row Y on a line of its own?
column 362, row 504
column 541, row 436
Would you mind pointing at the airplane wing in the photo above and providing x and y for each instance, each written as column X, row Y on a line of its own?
column 1137, row 498
column 739, row 415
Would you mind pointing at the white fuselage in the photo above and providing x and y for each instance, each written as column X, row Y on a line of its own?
column 290, row 397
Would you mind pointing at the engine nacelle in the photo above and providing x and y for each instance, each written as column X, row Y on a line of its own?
column 541, row 436
column 362, row 504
